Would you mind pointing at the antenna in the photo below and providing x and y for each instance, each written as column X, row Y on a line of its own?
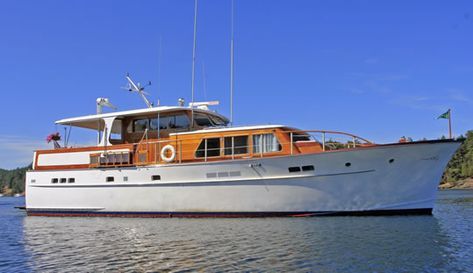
column 160, row 53
column 204, row 80
column 136, row 87
column 231, row 66
column 193, row 60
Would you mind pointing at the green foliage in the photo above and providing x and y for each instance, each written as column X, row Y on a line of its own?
column 461, row 165
column 13, row 181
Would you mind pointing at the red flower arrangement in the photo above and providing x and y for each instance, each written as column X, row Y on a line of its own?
column 53, row 137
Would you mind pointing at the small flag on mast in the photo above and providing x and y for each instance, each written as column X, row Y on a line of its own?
column 445, row 115
column 448, row 115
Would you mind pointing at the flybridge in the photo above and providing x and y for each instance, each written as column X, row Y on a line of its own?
column 96, row 121
column 132, row 113
column 132, row 125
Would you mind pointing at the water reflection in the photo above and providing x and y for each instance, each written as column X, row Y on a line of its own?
column 454, row 212
column 388, row 244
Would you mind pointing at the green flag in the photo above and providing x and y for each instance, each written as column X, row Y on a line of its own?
column 445, row 115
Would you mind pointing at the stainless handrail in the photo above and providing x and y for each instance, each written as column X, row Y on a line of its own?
column 324, row 133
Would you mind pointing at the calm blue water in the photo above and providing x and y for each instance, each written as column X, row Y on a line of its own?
column 439, row 243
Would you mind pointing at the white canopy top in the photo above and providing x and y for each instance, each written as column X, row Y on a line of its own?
column 91, row 121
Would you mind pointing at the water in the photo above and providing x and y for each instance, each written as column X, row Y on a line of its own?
column 439, row 243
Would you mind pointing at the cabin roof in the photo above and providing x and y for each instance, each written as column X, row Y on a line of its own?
column 90, row 121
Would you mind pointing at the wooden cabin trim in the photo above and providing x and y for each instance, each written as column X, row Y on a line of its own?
column 112, row 148
column 61, row 167
column 147, row 152
column 86, row 149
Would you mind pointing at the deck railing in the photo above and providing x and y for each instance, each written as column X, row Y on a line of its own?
column 332, row 143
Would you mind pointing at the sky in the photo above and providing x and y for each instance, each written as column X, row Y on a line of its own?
column 378, row 69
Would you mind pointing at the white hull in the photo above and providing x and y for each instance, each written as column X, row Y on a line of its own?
column 254, row 186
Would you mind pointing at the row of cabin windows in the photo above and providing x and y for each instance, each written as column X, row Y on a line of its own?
column 237, row 145
column 163, row 123
column 180, row 121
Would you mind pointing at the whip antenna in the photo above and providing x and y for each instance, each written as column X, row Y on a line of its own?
column 231, row 66
column 193, row 60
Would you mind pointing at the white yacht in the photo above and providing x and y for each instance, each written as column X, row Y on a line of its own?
column 185, row 161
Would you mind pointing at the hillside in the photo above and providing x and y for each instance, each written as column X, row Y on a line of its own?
column 459, row 172
column 13, row 181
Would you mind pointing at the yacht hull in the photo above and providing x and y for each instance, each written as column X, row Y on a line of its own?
column 380, row 180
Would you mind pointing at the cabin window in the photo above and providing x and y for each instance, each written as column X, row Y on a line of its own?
column 181, row 121
column 202, row 120
column 300, row 137
column 63, row 180
column 140, row 125
column 154, row 123
column 266, row 143
column 116, row 133
column 71, row 180
column 54, row 180
column 209, row 147
column 110, row 179
column 218, row 121
column 170, row 122
column 155, row 177
column 239, row 144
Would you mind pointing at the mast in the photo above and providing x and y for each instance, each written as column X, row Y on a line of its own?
column 193, row 61
column 231, row 65
column 450, row 124
column 160, row 53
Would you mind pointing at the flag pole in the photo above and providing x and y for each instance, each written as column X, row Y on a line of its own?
column 450, row 123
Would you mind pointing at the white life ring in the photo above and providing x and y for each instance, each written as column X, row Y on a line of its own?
column 164, row 152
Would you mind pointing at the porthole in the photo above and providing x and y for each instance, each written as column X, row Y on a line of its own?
column 348, row 164
column 110, row 179
column 294, row 169
column 236, row 173
column 391, row 160
column 211, row 175
column 222, row 174
column 308, row 168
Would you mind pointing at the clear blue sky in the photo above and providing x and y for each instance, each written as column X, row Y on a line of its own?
column 379, row 69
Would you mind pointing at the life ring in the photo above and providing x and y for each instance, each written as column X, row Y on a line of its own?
column 164, row 152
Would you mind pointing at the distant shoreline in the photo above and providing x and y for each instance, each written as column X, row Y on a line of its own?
column 459, row 185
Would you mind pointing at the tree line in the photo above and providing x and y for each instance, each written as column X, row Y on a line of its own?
column 13, row 181
column 460, row 167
